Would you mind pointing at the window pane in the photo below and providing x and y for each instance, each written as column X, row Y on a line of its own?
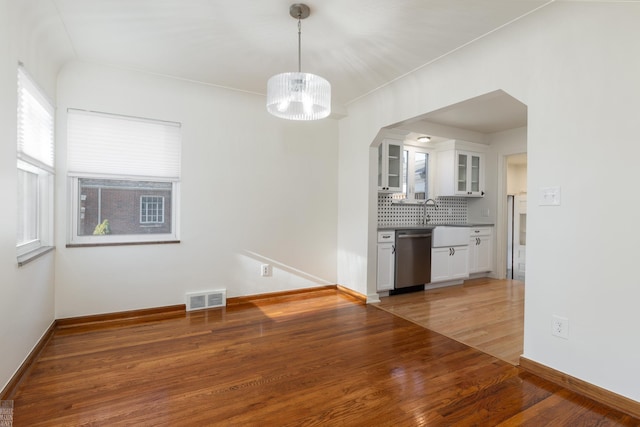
column 35, row 161
column 123, row 207
column 420, row 175
column 475, row 173
column 462, row 172
column 405, row 173
column 35, row 122
column 27, row 207
column 151, row 210
column 380, row 148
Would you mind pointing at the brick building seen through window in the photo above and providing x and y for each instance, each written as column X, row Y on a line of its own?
column 130, row 207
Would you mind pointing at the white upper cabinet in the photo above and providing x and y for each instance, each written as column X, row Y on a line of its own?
column 470, row 174
column 390, row 166
column 460, row 172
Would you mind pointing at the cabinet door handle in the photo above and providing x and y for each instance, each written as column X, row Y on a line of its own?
column 393, row 249
column 454, row 251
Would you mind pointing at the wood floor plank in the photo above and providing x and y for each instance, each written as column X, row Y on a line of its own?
column 486, row 314
column 322, row 360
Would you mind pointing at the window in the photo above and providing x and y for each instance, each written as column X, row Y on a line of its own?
column 35, row 168
column 415, row 173
column 124, row 174
column 151, row 209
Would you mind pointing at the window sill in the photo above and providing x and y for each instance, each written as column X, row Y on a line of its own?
column 89, row 245
column 34, row 254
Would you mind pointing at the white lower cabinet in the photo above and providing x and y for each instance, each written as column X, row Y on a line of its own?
column 449, row 263
column 386, row 261
column 481, row 250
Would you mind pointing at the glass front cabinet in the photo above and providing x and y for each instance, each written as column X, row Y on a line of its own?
column 390, row 166
column 460, row 171
column 469, row 174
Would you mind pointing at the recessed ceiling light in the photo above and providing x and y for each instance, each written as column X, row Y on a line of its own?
column 424, row 139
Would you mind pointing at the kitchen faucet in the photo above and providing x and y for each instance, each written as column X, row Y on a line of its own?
column 425, row 217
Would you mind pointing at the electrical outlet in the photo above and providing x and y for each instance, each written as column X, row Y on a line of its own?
column 560, row 327
column 265, row 270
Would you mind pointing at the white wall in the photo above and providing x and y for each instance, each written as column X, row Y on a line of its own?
column 576, row 66
column 516, row 179
column 255, row 189
column 26, row 293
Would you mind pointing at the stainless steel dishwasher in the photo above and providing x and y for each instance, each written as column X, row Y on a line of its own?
column 413, row 258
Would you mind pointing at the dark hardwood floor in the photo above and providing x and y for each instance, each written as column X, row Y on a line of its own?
column 319, row 360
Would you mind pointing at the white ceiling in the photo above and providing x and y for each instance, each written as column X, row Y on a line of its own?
column 358, row 45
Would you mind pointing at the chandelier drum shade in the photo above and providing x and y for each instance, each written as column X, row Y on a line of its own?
column 298, row 95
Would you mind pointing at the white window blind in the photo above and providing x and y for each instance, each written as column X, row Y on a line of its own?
column 35, row 124
column 108, row 144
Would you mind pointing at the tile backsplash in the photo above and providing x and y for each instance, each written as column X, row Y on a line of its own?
column 451, row 210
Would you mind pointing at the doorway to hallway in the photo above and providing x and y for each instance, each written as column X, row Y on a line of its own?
column 516, row 216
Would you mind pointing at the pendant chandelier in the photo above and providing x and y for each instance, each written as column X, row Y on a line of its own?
column 299, row 96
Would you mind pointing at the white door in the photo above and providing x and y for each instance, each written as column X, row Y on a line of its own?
column 520, row 237
column 386, row 264
column 516, row 185
column 460, row 262
column 440, row 269
column 483, row 254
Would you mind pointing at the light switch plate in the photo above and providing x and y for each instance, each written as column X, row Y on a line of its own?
column 549, row 196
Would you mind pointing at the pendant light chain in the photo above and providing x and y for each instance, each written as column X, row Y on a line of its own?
column 299, row 45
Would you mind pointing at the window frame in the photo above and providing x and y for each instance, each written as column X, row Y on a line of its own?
column 120, row 239
column 98, row 146
column 41, row 203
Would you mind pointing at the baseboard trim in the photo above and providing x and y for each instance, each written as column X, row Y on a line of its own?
column 362, row 299
column 277, row 296
column 9, row 390
column 144, row 314
column 614, row 400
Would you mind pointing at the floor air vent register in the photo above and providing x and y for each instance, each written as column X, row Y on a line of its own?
column 206, row 299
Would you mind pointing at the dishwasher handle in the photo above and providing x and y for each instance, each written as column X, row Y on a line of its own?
column 412, row 236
